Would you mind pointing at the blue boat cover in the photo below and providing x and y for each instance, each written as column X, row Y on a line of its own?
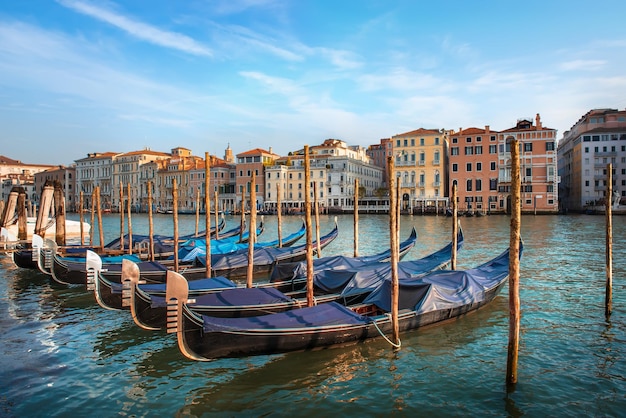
column 325, row 314
column 297, row 270
column 192, row 249
column 194, row 285
column 444, row 289
column 263, row 256
column 242, row 297
column 368, row 277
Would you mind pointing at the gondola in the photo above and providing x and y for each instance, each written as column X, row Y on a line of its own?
column 146, row 300
column 232, row 265
column 71, row 270
column 429, row 299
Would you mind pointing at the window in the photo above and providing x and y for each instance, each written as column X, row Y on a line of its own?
column 493, row 166
column 493, row 184
column 436, row 140
column 468, row 167
column 406, row 142
column 493, row 149
column 479, row 166
column 412, row 142
column 455, row 167
column 469, row 150
column 468, row 139
column 454, row 151
column 468, row 185
column 550, row 146
column 479, row 185
column 422, row 142
column 528, row 146
column 478, row 149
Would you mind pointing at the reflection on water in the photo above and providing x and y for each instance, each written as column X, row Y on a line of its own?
column 63, row 354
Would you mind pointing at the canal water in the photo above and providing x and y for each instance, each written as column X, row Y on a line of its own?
column 63, row 355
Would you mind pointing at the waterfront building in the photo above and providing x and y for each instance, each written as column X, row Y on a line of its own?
column 473, row 163
column 66, row 176
column 379, row 153
column 16, row 173
column 92, row 171
column 253, row 161
column 179, row 165
column 126, row 169
column 538, row 167
column 584, row 152
column 222, row 181
column 421, row 169
column 334, row 168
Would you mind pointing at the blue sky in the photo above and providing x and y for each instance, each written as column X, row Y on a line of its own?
column 81, row 76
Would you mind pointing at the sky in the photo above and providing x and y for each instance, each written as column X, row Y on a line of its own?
column 79, row 76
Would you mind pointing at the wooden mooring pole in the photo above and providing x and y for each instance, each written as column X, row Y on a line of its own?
column 608, row 301
column 514, row 243
column 121, row 209
column 251, row 231
column 150, row 222
column 217, row 214
column 81, row 217
column 175, row 215
column 279, row 214
column 207, row 214
column 92, row 216
column 317, row 221
column 393, row 244
column 99, row 215
column 309, row 233
column 455, row 227
column 130, row 222
column 356, row 217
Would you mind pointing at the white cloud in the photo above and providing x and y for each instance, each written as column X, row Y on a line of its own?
column 584, row 65
column 139, row 29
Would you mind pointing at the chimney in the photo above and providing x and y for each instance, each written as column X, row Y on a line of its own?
column 538, row 121
column 486, row 128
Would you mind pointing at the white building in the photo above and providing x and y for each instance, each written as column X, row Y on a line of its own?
column 584, row 152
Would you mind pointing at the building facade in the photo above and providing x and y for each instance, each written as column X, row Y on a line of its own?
column 584, row 152
column 538, row 167
column 421, row 169
column 473, row 163
column 252, row 161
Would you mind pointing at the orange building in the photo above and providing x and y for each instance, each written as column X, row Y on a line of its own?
column 538, row 167
column 473, row 165
column 253, row 161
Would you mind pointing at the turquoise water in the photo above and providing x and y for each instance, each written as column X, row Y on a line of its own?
column 63, row 355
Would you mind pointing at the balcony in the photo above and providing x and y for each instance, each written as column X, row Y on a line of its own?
column 405, row 164
column 421, row 163
column 436, row 162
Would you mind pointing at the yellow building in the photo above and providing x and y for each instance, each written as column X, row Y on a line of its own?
column 420, row 168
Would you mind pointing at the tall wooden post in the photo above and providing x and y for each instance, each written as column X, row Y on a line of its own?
column 99, row 214
column 393, row 245
column 207, row 213
column 217, row 216
column 59, row 204
column 309, row 232
column 175, row 215
column 81, row 218
column 130, row 223
column 22, row 221
column 317, row 220
column 92, row 217
column 252, row 231
column 197, row 211
column 121, row 208
column 514, row 243
column 455, row 227
column 356, row 217
column 150, row 222
column 608, row 301
column 242, row 221
column 279, row 214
